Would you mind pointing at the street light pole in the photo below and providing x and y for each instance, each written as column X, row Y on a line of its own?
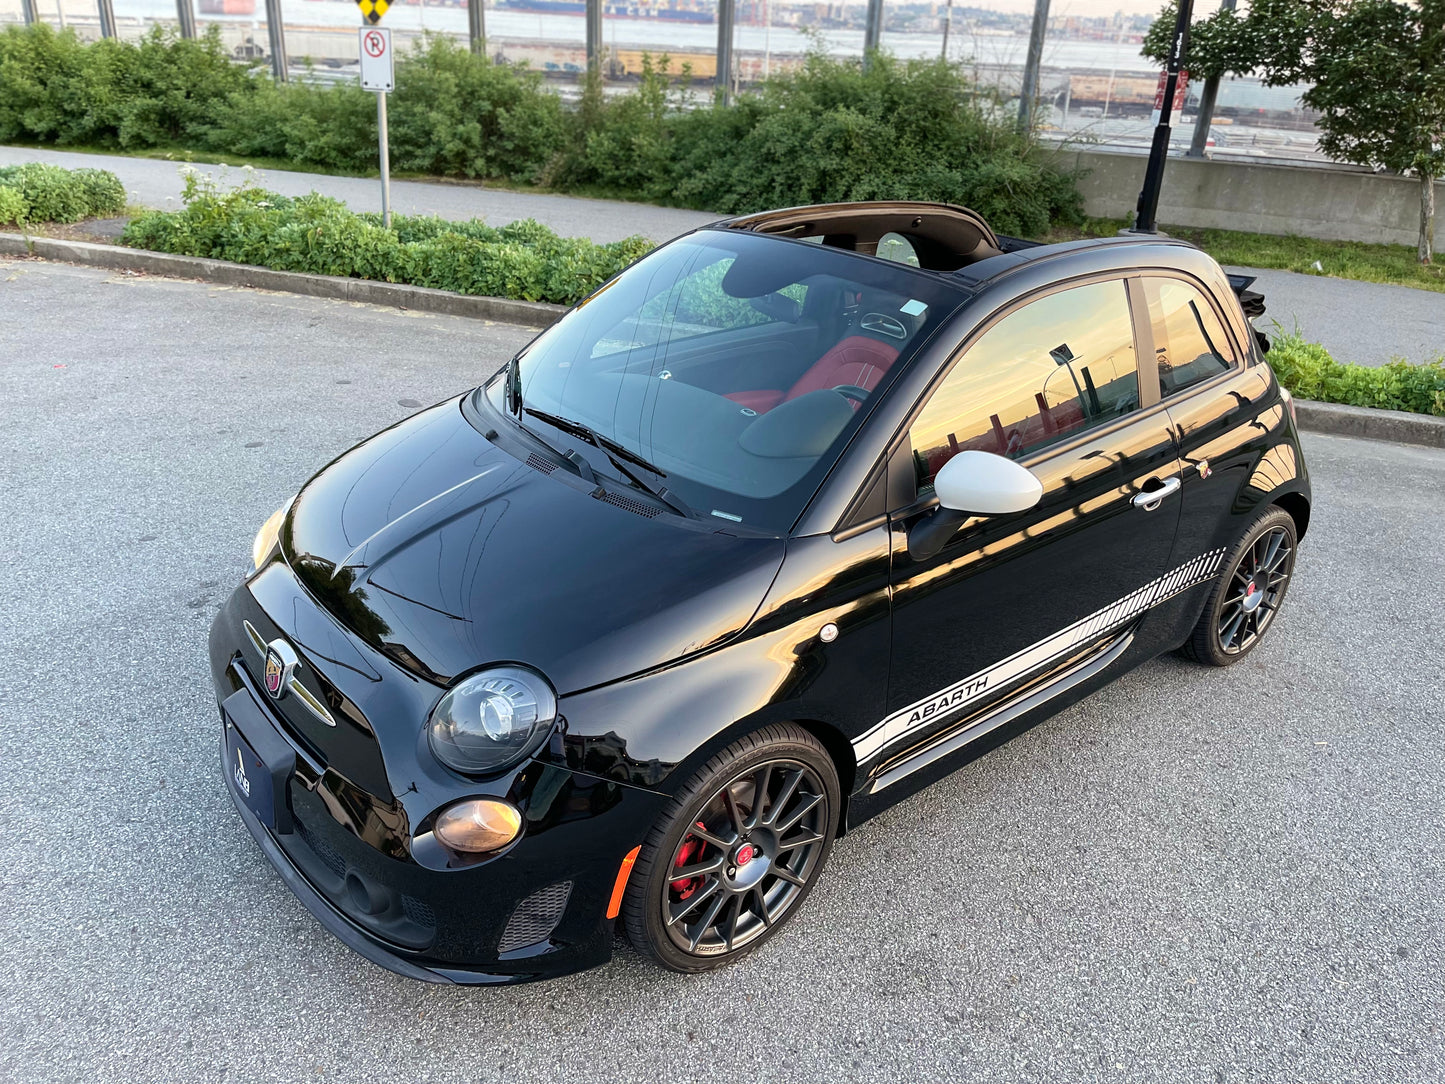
column 1144, row 220
column 107, row 18
column 725, row 12
column 276, row 33
column 872, row 30
column 1032, row 61
column 187, row 15
column 27, row 9
column 477, row 25
column 947, row 26
column 594, row 36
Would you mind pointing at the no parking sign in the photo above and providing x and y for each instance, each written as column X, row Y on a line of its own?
column 376, row 66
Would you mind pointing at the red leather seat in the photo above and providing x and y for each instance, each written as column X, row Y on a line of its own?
column 856, row 360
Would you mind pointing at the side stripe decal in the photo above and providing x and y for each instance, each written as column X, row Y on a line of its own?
column 947, row 700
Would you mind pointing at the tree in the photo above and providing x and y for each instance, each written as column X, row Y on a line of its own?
column 1376, row 70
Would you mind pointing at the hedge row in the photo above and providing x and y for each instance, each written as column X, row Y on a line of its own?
column 1309, row 371
column 828, row 131
column 318, row 235
column 34, row 192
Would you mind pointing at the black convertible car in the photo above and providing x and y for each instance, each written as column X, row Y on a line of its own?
column 800, row 512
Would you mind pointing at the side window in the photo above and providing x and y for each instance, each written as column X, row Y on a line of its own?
column 1188, row 337
column 1059, row 365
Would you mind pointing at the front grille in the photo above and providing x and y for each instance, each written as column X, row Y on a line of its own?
column 419, row 912
column 329, row 855
column 535, row 917
column 641, row 508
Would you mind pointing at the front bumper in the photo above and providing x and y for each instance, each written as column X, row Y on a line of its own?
column 347, row 853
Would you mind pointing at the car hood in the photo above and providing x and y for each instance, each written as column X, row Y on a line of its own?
column 437, row 547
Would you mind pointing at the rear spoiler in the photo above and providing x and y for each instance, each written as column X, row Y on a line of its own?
column 1252, row 302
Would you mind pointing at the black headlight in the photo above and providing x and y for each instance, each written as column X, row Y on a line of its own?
column 492, row 720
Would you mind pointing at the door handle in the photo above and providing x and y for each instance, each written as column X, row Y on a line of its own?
column 1150, row 499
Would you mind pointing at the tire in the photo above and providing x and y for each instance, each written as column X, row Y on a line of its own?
column 1241, row 607
column 724, row 907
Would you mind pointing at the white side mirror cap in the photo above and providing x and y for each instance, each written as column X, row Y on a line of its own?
column 986, row 485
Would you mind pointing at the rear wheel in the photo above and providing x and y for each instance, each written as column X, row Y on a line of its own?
column 1249, row 592
column 736, row 852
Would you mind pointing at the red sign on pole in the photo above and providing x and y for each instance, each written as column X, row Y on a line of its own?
column 1179, row 91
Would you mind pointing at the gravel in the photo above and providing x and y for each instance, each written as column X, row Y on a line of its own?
column 1193, row 875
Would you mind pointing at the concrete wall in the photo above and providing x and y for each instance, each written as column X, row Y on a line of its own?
column 1336, row 204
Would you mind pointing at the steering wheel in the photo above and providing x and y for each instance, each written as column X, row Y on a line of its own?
column 852, row 392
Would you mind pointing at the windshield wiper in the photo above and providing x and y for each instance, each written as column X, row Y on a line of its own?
column 619, row 456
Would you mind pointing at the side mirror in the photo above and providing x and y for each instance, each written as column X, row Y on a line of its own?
column 986, row 485
column 972, row 483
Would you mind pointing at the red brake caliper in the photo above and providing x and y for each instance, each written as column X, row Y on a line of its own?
column 690, row 850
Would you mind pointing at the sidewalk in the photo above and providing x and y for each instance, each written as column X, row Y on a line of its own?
column 1363, row 322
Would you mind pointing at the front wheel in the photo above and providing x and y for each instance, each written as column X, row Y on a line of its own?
column 1249, row 592
column 736, row 852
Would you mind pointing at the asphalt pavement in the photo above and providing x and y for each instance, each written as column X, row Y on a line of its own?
column 1194, row 875
column 1364, row 322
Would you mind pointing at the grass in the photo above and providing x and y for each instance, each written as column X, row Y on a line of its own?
column 1310, row 372
column 1393, row 264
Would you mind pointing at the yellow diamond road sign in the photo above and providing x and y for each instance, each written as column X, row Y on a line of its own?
column 373, row 10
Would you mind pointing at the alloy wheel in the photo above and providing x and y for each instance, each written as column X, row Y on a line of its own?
column 747, row 858
column 1255, row 588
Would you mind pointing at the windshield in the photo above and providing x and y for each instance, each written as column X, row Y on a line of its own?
column 736, row 365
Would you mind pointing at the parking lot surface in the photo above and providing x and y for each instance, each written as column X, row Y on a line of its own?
column 1193, row 875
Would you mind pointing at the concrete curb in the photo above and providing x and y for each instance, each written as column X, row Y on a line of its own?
column 417, row 298
column 1389, row 425
column 1398, row 426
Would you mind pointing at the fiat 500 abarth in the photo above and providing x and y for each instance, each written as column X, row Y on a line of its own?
column 799, row 513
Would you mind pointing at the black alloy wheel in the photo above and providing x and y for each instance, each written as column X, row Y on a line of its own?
column 736, row 852
column 1249, row 592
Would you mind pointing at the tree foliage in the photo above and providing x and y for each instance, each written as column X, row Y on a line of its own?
column 1375, row 69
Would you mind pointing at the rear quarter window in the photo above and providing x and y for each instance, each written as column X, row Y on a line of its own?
column 1189, row 338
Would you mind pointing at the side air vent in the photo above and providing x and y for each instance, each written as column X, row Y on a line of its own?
column 641, row 508
column 536, row 462
column 535, row 917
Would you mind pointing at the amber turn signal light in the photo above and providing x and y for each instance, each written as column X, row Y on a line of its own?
column 478, row 825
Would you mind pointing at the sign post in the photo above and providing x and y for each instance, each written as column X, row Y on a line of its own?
column 377, row 74
column 1148, row 208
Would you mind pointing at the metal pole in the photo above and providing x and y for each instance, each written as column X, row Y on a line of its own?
column 594, row 35
column 385, row 159
column 1144, row 220
column 187, row 15
column 27, row 9
column 1032, row 60
column 107, row 18
column 947, row 26
column 477, row 25
column 1207, row 97
column 872, row 29
column 725, row 12
column 276, row 32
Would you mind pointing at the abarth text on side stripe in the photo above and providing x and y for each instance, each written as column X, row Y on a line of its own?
column 799, row 513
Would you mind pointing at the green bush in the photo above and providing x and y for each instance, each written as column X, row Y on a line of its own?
column 828, row 131
column 1308, row 370
column 159, row 91
column 35, row 192
column 318, row 235
column 12, row 206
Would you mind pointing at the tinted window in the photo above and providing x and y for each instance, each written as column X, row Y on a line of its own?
column 1188, row 337
column 738, row 365
column 1055, row 367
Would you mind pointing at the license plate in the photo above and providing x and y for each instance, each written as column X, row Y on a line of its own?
column 250, row 777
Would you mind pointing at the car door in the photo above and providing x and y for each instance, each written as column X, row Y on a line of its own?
column 1052, row 382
